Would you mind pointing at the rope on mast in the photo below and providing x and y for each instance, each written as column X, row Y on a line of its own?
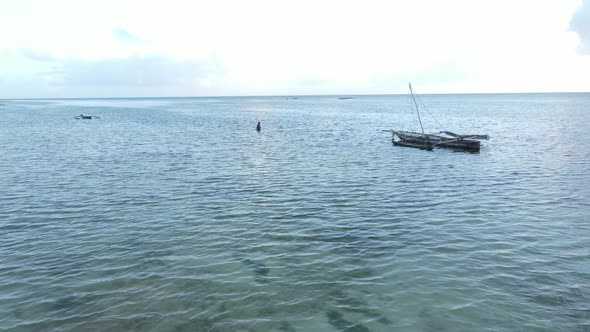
column 416, row 104
column 429, row 113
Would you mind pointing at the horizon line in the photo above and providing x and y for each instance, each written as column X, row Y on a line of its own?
column 300, row 95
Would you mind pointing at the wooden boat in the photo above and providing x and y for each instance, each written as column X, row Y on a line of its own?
column 442, row 139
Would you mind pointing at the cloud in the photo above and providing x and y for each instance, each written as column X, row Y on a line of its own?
column 580, row 23
column 153, row 70
column 127, row 37
column 134, row 76
column 36, row 55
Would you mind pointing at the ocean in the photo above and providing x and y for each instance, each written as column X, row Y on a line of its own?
column 175, row 214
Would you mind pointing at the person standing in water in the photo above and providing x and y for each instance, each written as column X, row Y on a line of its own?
column 258, row 126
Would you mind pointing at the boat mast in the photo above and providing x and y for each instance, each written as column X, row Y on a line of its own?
column 416, row 104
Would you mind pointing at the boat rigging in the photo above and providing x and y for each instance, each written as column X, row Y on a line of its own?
column 442, row 139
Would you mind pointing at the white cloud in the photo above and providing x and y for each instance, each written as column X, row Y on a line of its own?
column 127, row 37
column 36, row 55
column 151, row 70
column 292, row 47
column 581, row 25
column 150, row 75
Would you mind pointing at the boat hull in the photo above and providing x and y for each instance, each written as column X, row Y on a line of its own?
column 423, row 145
column 430, row 141
column 465, row 145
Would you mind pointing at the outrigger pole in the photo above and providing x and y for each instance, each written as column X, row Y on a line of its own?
column 414, row 99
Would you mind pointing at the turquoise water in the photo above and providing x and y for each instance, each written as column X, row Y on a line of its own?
column 176, row 215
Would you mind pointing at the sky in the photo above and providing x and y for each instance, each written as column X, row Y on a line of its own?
column 129, row 48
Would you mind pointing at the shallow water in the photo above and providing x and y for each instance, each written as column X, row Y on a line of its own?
column 176, row 215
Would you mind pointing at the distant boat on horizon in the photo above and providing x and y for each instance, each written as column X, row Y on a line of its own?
column 86, row 117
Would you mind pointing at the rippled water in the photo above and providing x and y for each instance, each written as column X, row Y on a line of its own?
column 176, row 215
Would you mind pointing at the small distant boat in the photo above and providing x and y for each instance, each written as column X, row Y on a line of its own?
column 344, row 97
column 442, row 139
column 86, row 117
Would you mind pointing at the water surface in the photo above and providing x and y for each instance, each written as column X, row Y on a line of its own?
column 176, row 215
